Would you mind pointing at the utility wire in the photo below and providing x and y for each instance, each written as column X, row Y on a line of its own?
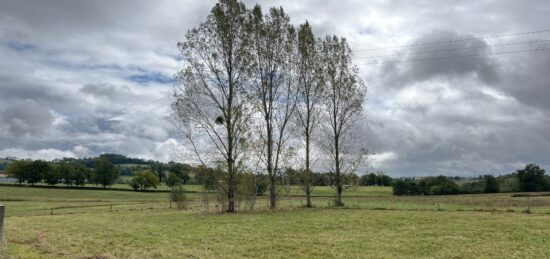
column 455, row 49
column 458, row 57
column 456, row 40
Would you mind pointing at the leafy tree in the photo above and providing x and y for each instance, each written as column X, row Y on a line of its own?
column 180, row 171
column 81, row 173
column 173, row 180
column 37, row 170
column 18, row 170
column 144, row 180
column 531, row 179
column 158, row 169
column 209, row 177
column 66, row 172
column 491, row 184
column 105, row 173
column 51, row 176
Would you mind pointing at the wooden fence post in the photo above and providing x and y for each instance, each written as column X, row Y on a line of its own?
column 2, row 208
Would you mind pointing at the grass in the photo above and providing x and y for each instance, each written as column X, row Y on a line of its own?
column 374, row 224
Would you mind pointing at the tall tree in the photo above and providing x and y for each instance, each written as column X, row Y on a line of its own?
column 310, row 94
column 531, row 179
column 105, row 173
column 18, row 170
column 343, row 110
column 158, row 170
column 211, row 106
column 273, row 89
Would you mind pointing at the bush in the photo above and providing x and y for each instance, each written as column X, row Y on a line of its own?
column 177, row 195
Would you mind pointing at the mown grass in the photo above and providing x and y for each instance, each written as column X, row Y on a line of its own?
column 373, row 224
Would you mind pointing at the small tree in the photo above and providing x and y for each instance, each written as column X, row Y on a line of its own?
column 491, row 184
column 177, row 195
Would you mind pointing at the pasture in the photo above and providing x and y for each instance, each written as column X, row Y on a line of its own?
column 61, row 223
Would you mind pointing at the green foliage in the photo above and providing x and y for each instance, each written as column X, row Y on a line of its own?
column 406, row 187
column 473, row 187
column 209, row 177
column 144, row 180
column 105, row 173
column 158, row 169
column 180, row 170
column 491, row 184
column 66, row 172
column 36, row 171
column 173, row 180
column 51, row 176
column 18, row 170
column 531, row 179
column 376, row 179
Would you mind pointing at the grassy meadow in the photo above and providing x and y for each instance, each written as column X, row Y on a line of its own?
column 62, row 223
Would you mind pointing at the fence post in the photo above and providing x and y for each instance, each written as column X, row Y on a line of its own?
column 1, row 220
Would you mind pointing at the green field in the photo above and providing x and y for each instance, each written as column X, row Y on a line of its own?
column 126, row 224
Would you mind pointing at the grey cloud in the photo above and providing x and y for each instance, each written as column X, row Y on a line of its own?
column 26, row 118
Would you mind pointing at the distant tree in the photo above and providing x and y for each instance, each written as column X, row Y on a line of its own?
column 180, row 171
column 81, row 173
column 37, row 170
column 144, row 180
column 66, row 172
column 406, row 187
column 105, row 173
column 51, row 176
column 18, row 170
column 158, row 169
column 173, row 180
column 491, row 184
column 209, row 177
column 531, row 179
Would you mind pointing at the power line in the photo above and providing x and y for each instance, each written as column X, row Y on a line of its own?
column 456, row 40
column 455, row 49
column 458, row 57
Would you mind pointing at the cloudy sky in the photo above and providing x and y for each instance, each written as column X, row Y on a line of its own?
column 467, row 95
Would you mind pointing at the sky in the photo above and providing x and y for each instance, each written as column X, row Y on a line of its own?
column 454, row 87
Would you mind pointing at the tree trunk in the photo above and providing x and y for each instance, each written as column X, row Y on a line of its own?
column 308, row 196
column 338, row 202
column 309, row 176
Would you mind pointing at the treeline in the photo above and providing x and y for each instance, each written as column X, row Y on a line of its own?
column 31, row 172
column 530, row 179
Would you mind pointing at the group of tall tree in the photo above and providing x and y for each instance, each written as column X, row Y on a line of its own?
column 253, row 84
